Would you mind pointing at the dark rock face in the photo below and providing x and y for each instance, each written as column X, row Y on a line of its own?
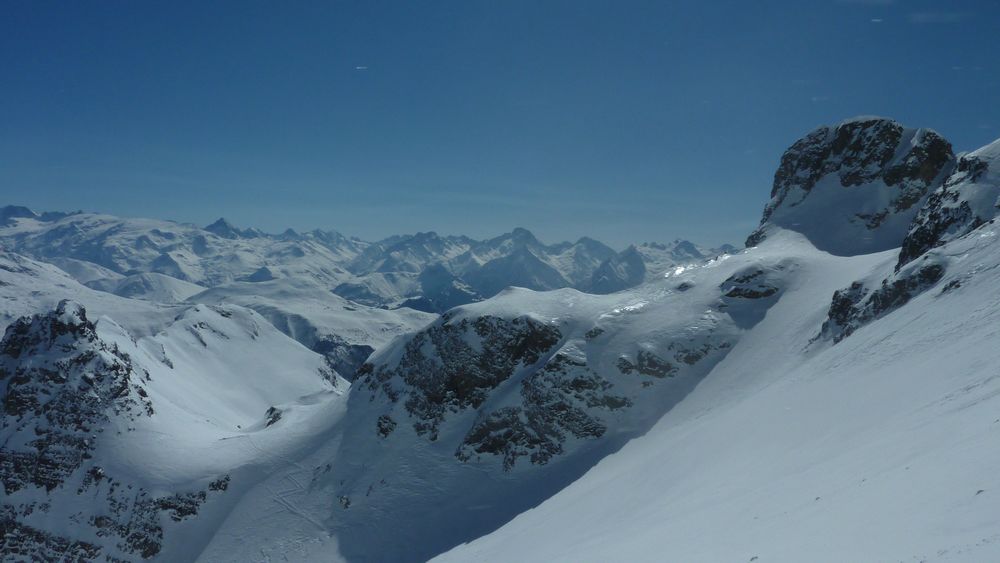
column 854, row 306
column 342, row 356
column 749, row 285
column 949, row 211
column 62, row 387
column 62, row 383
column 19, row 542
column 457, row 375
column 647, row 363
column 859, row 152
column 557, row 400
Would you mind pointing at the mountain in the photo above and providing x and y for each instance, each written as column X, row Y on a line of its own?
column 869, row 420
column 149, row 286
column 185, row 252
column 403, row 270
column 639, row 263
column 856, row 187
column 827, row 393
column 113, row 445
column 344, row 332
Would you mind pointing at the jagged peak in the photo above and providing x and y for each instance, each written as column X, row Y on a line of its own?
column 854, row 187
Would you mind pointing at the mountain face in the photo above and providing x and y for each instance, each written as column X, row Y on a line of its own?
column 112, row 446
column 969, row 197
column 856, row 187
column 647, row 261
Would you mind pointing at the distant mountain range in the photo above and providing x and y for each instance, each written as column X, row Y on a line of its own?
column 424, row 271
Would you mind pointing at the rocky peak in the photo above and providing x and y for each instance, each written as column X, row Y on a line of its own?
column 15, row 212
column 33, row 335
column 223, row 228
column 855, row 187
column 621, row 271
column 969, row 197
column 60, row 386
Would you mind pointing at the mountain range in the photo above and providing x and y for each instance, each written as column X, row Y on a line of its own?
column 827, row 393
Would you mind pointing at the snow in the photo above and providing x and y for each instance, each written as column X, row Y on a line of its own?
column 876, row 449
column 772, row 443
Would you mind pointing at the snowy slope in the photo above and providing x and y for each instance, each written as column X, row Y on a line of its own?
column 456, row 429
column 880, row 448
column 343, row 331
column 149, row 286
column 136, row 448
column 28, row 287
column 826, row 394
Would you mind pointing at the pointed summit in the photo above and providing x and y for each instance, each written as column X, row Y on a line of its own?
column 223, row 228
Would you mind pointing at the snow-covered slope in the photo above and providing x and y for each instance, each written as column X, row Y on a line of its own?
column 182, row 251
column 880, row 448
column 826, row 394
column 149, row 286
column 123, row 449
column 453, row 430
column 28, row 287
column 853, row 429
column 343, row 331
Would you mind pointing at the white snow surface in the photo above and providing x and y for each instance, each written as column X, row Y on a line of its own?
column 880, row 448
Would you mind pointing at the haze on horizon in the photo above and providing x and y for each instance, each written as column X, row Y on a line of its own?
column 623, row 122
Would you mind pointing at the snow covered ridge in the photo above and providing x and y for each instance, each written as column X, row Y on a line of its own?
column 425, row 271
column 110, row 443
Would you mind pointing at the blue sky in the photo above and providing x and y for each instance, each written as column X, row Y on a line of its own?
column 624, row 121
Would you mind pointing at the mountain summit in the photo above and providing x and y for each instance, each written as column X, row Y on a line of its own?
column 854, row 188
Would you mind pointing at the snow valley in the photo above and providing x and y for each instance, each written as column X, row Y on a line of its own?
column 829, row 392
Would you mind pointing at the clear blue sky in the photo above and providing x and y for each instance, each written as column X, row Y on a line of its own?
column 620, row 120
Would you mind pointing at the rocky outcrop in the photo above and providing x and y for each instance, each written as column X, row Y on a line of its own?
column 453, row 366
column 857, row 305
column 855, row 187
column 968, row 198
column 64, row 389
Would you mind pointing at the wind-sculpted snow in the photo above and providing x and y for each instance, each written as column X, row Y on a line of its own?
column 854, row 188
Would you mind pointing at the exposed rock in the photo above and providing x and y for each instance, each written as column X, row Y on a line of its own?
column 558, row 400
column 854, row 188
column 969, row 198
column 441, row 371
column 854, row 306
column 63, row 388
